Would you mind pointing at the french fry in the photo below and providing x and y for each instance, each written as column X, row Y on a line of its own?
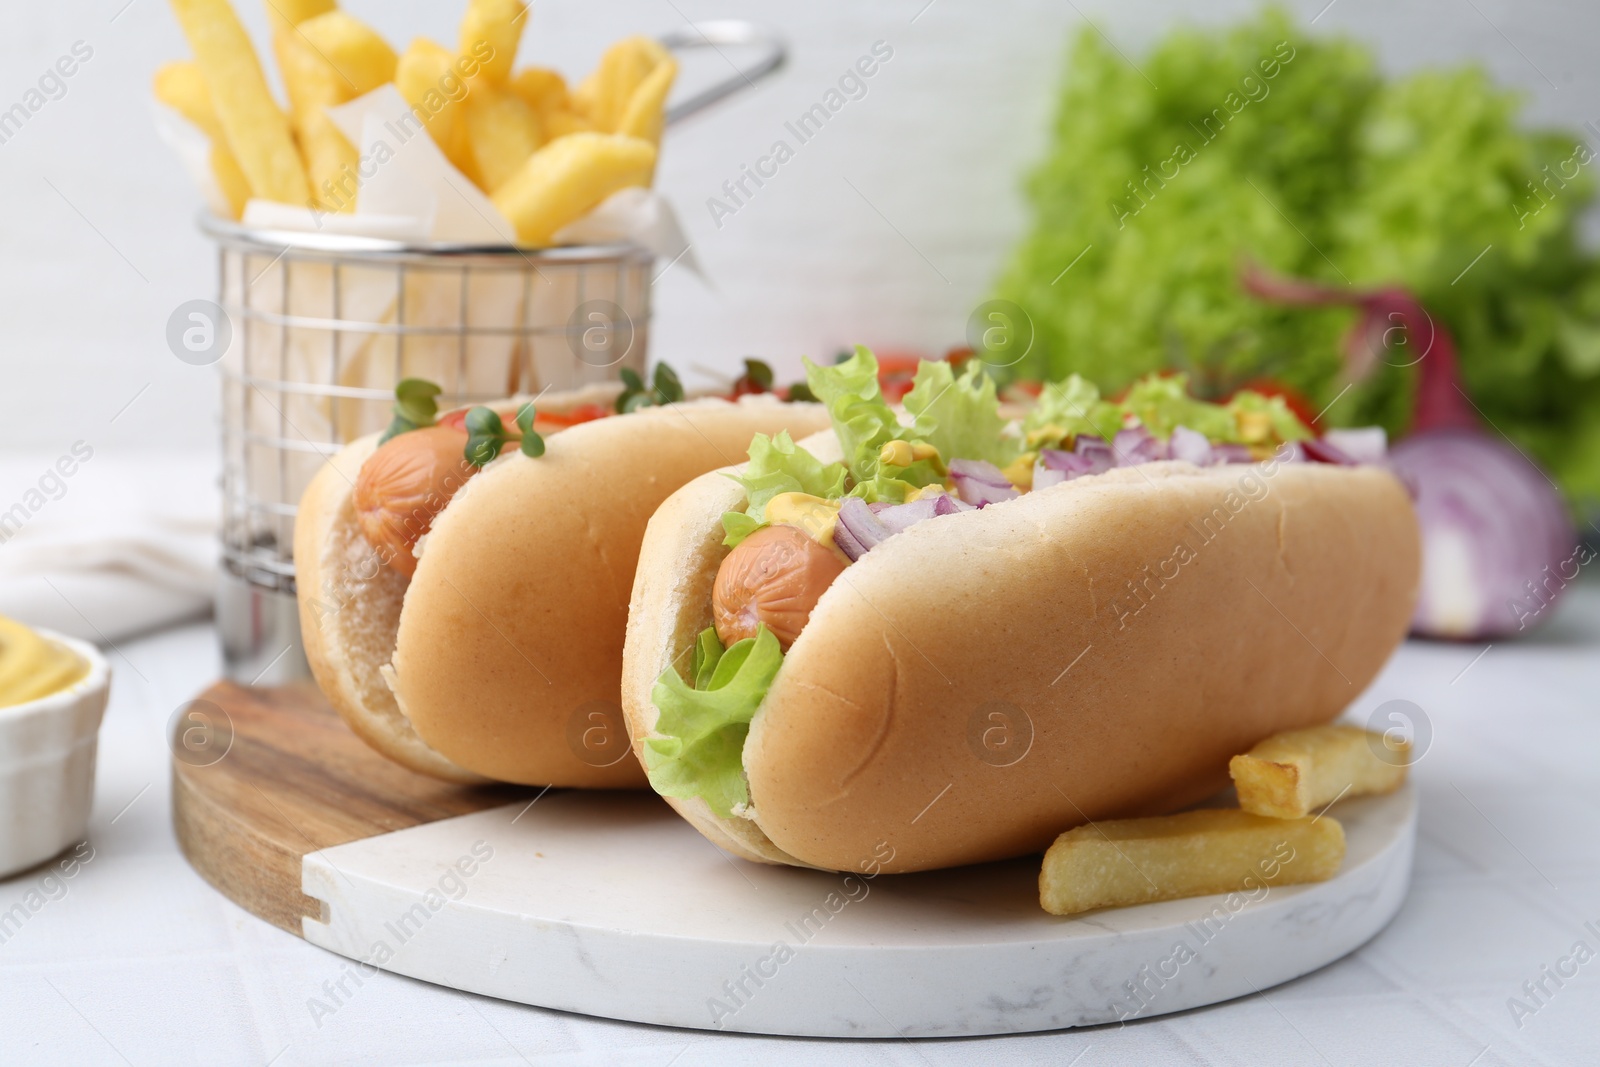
column 646, row 111
column 566, row 178
column 490, row 33
column 541, row 87
column 182, row 87
column 286, row 14
column 230, row 179
column 1292, row 774
column 428, row 79
column 563, row 122
column 359, row 56
column 503, row 132
column 326, row 61
column 1123, row 862
column 603, row 96
column 256, row 130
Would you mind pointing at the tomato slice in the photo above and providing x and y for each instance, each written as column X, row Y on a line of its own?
column 581, row 413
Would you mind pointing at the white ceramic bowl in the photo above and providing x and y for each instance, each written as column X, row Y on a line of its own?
column 47, row 754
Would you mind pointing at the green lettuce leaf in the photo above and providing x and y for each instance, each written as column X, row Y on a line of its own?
column 1164, row 404
column 704, row 727
column 1265, row 142
column 863, row 421
column 960, row 416
column 1067, row 408
column 778, row 465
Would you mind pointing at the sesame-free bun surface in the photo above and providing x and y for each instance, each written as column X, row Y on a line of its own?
column 349, row 612
column 981, row 682
column 350, row 602
column 549, row 565
column 508, row 656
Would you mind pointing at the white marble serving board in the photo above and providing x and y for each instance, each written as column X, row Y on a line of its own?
column 609, row 905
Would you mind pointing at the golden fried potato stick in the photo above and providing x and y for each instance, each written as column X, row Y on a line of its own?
column 502, row 130
column 182, row 87
column 1120, row 862
column 429, row 80
column 567, row 178
column 1294, row 773
column 313, row 86
column 326, row 61
column 603, row 96
column 541, row 87
column 645, row 114
column 355, row 51
column 490, row 33
column 285, row 14
column 256, row 129
column 546, row 92
column 230, row 179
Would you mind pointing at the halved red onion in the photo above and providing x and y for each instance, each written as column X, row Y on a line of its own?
column 1369, row 444
column 1136, row 445
column 1190, row 446
column 980, row 483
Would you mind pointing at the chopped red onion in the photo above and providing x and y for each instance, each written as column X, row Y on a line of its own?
column 858, row 529
column 1136, row 445
column 1232, row 454
column 903, row 516
column 1091, row 456
column 1190, row 446
column 1366, row 445
column 862, row 526
column 1321, row 450
column 980, row 483
column 1097, row 449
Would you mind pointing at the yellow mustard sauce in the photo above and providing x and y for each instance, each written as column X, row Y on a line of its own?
column 812, row 514
column 32, row 666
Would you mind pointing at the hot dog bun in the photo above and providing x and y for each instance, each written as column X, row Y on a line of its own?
column 511, row 628
column 1136, row 667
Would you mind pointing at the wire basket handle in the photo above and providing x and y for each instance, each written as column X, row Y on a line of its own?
column 718, row 33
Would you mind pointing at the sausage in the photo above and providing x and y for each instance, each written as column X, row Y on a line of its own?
column 405, row 484
column 775, row 576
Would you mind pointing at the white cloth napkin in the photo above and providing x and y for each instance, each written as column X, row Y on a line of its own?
column 123, row 544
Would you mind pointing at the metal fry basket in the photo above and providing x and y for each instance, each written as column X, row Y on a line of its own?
column 323, row 329
column 324, row 326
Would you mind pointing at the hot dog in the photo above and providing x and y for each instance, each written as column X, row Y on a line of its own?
column 961, row 634
column 463, row 580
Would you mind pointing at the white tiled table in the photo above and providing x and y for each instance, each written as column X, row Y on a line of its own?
column 141, row 962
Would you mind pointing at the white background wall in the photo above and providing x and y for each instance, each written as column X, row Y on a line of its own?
column 98, row 244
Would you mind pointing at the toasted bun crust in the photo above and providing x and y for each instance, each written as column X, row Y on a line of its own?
column 349, row 611
column 509, row 650
column 980, row 683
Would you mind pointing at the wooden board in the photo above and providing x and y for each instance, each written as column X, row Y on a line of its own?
column 291, row 780
column 608, row 904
